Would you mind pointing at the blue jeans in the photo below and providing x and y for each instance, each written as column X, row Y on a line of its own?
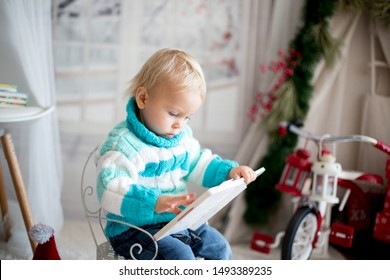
column 205, row 242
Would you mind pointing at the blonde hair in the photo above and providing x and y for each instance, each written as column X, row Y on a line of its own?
column 173, row 65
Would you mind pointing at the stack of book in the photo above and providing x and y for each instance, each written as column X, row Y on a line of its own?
column 11, row 97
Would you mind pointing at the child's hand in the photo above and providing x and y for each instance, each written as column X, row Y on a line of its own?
column 242, row 172
column 167, row 203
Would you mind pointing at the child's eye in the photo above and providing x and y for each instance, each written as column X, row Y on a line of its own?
column 173, row 114
column 188, row 118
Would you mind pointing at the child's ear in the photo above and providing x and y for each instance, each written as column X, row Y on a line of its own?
column 141, row 96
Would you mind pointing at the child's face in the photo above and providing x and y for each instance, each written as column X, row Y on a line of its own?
column 165, row 109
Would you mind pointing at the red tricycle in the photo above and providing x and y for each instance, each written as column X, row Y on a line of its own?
column 316, row 188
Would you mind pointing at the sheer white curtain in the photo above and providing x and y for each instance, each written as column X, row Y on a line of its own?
column 376, row 104
column 279, row 21
column 334, row 105
column 26, row 52
column 276, row 23
column 347, row 99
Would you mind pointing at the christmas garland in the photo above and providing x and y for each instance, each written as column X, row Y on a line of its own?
column 380, row 10
column 288, row 98
column 291, row 92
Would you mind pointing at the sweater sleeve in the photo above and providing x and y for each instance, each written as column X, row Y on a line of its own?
column 206, row 169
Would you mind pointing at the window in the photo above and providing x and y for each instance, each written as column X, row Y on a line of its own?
column 100, row 45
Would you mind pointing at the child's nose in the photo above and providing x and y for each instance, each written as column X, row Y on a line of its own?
column 178, row 124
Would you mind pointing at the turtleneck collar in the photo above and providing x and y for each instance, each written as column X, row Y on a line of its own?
column 142, row 132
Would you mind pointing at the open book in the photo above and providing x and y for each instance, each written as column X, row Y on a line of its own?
column 204, row 207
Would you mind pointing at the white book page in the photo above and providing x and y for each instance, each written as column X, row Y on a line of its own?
column 204, row 207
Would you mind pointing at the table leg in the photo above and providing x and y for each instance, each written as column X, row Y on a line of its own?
column 17, row 180
column 4, row 206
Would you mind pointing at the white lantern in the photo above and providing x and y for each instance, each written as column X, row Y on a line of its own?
column 325, row 176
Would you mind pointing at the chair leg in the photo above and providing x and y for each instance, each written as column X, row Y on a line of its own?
column 4, row 206
column 17, row 180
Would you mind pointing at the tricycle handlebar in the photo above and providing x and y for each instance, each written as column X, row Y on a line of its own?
column 335, row 139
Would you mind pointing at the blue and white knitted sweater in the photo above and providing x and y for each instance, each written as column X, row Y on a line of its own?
column 135, row 167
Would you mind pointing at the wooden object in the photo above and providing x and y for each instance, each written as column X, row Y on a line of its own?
column 19, row 186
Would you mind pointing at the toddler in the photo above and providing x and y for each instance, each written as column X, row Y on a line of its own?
column 145, row 162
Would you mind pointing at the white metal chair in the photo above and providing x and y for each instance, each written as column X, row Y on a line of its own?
column 96, row 217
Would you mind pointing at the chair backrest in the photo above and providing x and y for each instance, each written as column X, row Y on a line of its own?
column 91, row 206
column 95, row 215
column 93, row 210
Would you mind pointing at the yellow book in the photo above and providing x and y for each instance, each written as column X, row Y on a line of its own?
column 8, row 87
